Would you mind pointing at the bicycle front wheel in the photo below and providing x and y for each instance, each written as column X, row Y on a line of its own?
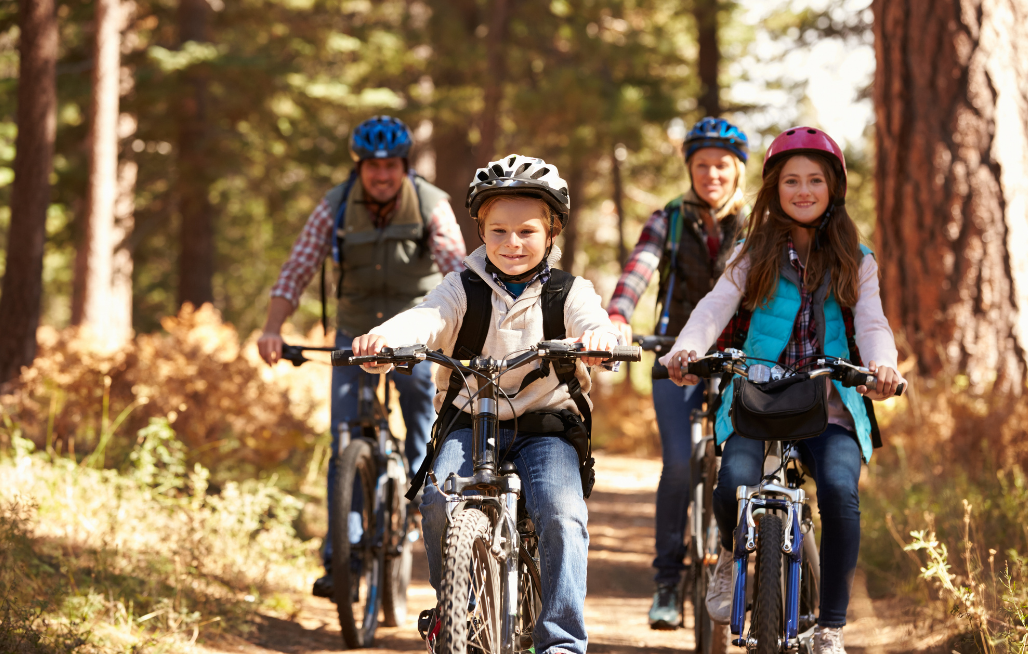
column 357, row 560
column 470, row 597
column 399, row 549
column 530, row 600
column 768, row 622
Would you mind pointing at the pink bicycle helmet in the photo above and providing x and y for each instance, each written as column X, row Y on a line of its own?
column 797, row 140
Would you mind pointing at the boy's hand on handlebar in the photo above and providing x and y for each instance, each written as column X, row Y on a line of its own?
column 597, row 340
column 269, row 346
column 677, row 368
column 369, row 345
column 888, row 381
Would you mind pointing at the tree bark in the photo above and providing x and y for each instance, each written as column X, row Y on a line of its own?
column 570, row 247
column 495, row 76
column 196, row 260
column 102, row 190
column 705, row 13
column 122, row 263
column 952, row 152
column 619, row 204
column 21, row 294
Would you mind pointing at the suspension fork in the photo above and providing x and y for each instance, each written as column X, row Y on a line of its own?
column 792, row 589
column 740, row 561
column 487, row 419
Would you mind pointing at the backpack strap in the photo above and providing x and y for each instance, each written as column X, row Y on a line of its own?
column 666, row 267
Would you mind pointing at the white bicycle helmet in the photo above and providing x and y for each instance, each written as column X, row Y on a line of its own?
column 519, row 175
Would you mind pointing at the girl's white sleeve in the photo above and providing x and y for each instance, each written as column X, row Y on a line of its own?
column 871, row 328
column 712, row 313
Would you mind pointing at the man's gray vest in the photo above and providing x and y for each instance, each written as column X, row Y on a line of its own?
column 389, row 270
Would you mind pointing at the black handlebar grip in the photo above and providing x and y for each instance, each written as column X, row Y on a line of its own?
column 900, row 389
column 626, row 353
column 660, row 372
column 342, row 357
column 699, row 368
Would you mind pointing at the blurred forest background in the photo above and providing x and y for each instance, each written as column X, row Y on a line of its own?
column 159, row 157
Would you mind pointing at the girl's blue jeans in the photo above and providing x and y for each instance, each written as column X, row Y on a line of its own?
column 834, row 458
column 552, row 488
column 674, row 405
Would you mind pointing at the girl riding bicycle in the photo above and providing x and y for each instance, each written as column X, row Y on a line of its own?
column 687, row 243
column 806, row 286
column 520, row 205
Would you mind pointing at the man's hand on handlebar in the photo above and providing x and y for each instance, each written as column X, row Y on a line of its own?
column 624, row 329
column 269, row 345
column 597, row 340
column 370, row 345
column 888, row 381
column 677, row 368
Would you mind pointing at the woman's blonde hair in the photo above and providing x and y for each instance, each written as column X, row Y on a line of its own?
column 550, row 217
column 767, row 233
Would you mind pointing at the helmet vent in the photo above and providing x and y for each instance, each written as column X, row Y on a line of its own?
column 522, row 168
column 497, row 170
column 510, row 162
column 482, row 176
column 540, row 173
column 791, row 132
column 810, row 131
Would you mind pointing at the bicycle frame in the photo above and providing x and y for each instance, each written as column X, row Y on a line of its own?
column 702, row 433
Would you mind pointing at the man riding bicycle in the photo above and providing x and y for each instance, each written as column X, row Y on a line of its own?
column 393, row 236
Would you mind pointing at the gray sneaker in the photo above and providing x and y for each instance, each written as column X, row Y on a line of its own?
column 666, row 612
column 720, row 590
column 828, row 640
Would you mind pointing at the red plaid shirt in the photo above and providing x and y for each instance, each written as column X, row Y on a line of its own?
column 640, row 267
column 802, row 343
column 315, row 243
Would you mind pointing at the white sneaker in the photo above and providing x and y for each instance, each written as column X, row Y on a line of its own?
column 720, row 590
column 828, row 640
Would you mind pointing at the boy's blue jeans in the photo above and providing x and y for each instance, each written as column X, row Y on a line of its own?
column 415, row 398
column 834, row 458
column 552, row 488
column 674, row 406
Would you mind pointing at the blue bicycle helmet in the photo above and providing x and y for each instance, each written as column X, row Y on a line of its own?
column 380, row 137
column 717, row 133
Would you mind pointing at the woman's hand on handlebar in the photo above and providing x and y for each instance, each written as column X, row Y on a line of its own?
column 677, row 368
column 596, row 340
column 370, row 345
column 269, row 345
column 888, row 381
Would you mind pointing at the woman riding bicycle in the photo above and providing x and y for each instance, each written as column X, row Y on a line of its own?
column 688, row 242
column 807, row 287
column 520, row 205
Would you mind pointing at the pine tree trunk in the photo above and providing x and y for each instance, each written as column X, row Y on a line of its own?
column 705, row 13
column 122, row 263
column 196, row 260
column 496, row 75
column 570, row 248
column 21, row 294
column 103, row 174
column 952, row 155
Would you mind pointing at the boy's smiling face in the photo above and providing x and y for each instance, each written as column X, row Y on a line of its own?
column 516, row 234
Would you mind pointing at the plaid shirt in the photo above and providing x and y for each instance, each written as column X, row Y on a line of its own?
column 803, row 342
column 640, row 267
column 543, row 276
column 315, row 243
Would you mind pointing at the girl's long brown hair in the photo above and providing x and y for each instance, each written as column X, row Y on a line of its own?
column 767, row 233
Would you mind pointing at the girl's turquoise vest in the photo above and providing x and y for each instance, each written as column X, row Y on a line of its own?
column 770, row 331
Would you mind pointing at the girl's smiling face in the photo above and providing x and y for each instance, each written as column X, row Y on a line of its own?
column 803, row 190
column 516, row 234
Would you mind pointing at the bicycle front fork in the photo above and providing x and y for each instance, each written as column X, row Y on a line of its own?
column 745, row 537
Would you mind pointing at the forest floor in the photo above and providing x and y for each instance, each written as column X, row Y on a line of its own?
column 621, row 512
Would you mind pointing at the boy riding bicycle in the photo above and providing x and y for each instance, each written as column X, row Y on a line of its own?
column 520, row 205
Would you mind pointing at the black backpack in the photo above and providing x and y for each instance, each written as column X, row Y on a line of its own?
column 470, row 341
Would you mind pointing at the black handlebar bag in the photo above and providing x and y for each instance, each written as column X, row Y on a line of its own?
column 790, row 409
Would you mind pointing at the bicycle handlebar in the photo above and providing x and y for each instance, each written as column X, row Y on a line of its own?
column 413, row 354
column 294, row 353
column 654, row 343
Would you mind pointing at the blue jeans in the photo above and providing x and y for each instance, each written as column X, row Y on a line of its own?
column 674, row 406
column 834, row 458
column 415, row 391
column 552, row 487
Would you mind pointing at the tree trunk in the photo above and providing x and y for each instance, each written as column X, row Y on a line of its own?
column 196, row 260
column 952, row 153
column 705, row 13
column 454, row 168
column 103, row 175
column 22, row 289
column 495, row 76
column 124, row 223
column 620, row 154
column 570, row 247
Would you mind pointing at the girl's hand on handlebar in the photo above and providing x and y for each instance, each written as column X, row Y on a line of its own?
column 369, row 345
column 597, row 340
column 677, row 365
column 888, row 381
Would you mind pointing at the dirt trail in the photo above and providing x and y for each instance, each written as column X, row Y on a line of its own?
column 621, row 512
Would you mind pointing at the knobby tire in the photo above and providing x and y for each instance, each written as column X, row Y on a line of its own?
column 530, row 599
column 357, row 579
column 471, row 590
column 768, row 621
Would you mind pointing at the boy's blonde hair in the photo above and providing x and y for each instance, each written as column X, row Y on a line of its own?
column 548, row 215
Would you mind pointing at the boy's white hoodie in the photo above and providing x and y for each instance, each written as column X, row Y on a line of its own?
column 516, row 324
